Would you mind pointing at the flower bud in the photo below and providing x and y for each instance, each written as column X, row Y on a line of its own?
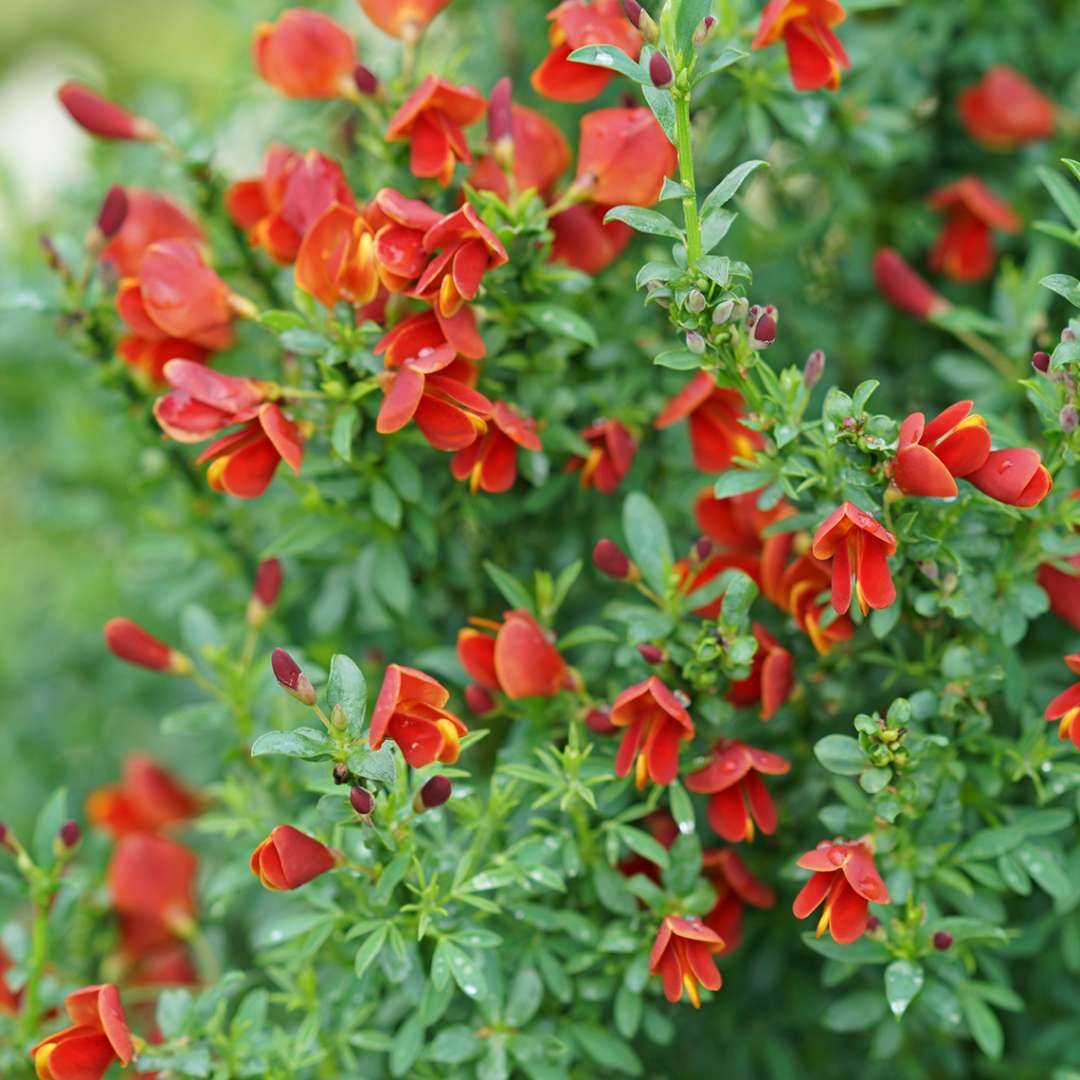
column 660, row 71
column 598, row 720
column 904, row 288
column 633, row 12
column 610, row 559
column 814, row 369
column 695, row 302
column 291, row 679
column 501, row 124
column 479, row 699
column 69, row 835
column 341, row 773
column 264, row 593
column 130, row 642
column 695, row 342
column 753, row 313
column 363, row 802
column 942, row 940
column 873, row 923
column 702, row 548
column 702, row 31
column 434, row 793
column 1069, row 418
column 722, row 312
column 1068, row 334
column 642, row 21
column 111, row 216
column 651, row 654
column 365, row 80
column 1040, row 361
column 764, row 331
column 102, row 117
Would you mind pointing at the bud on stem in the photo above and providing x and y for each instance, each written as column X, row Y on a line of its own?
column 434, row 793
column 660, row 71
column 291, row 679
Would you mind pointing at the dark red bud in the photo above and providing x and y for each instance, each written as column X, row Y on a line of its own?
column 365, row 81
column 341, row 773
column 764, row 332
column 434, row 793
column 267, row 582
column 291, row 678
column 70, row 834
column 873, row 923
column 610, row 559
column 113, row 212
column 479, row 699
column 363, row 802
column 943, row 940
column 1040, row 361
column 599, row 720
column 651, row 654
column 815, row 367
column 703, row 547
column 660, row 71
column 633, row 12
column 500, row 117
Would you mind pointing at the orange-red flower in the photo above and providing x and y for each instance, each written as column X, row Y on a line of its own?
column 734, row 885
column 815, row 54
column 736, row 522
column 153, row 877
column 306, row 54
column 858, row 546
column 517, row 658
column 682, row 956
column 965, row 246
column 541, row 156
column 431, row 118
column 177, row 295
column 336, row 258
column 400, row 225
column 243, row 462
column 1003, row 110
column 1065, row 708
column 404, row 19
column 279, row 207
column 98, row 1036
column 411, row 710
column 904, row 288
column 10, row 1000
column 694, row 575
column 149, row 958
column 1015, row 476
column 289, row 858
column 1063, row 588
column 717, row 434
column 150, row 217
column 930, row 455
column 739, row 797
column 147, row 799
column 771, row 678
column 611, row 453
column 623, row 156
column 846, row 879
column 656, row 722
column 101, row 117
column 131, row 642
column 575, row 24
column 467, row 250
column 582, row 240
column 490, row 463
column 795, row 588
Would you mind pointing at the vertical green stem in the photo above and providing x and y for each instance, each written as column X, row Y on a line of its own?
column 685, row 150
column 35, row 967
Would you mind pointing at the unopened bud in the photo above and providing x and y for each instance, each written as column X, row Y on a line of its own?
column 930, row 569
column 742, row 307
column 70, row 834
column 651, row 654
column 363, row 802
column 753, row 313
column 695, row 342
column 434, row 793
column 365, row 81
column 102, row 117
column 633, row 12
column 942, row 940
column 764, row 332
column 501, row 124
column 291, row 679
column 1069, row 418
column 702, row 31
column 113, row 212
column 660, row 71
column 341, row 773
column 479, row 699
column 873, row 923
column 722, row 312
column 1040, row 361
column 814, row 369
column 130, row 642
column 1068, row 334
column 338, row 717
column 695, row 302
column 642, row 21
column 598, row 720
column 264, row 593
column 703, row 548
column 610, row 559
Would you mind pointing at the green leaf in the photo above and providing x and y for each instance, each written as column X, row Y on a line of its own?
column 1063, row 193
column 562, row 321
column 644, row 845
column 648, row 540
column 856, row 1012
column 982, row 1023
column 466, row 971
column 662, row 105
column 863, row 951
column 644, row 221
column 408, row 1042
column 840, row 754
column 903, row 980
column 455, row 1044
column 716, row 268
column 989, row 843
column 1047, row 869
column 607, row 1049
column 386, row 504
column 52, row 815
column 682, row 809
column 172, row 1012
column 731, row 183
column 741, row 481
column 308, row 744
column 613, row 59
column 672, row 189
column 714, row 227
column 726, row 58
column 526, row 994
column 1065, row 286
column 379, row 765
column 279, row 321
column 341, row 437
column 678, row 360
column 391, row 579
column 655, row 271
column 741, row 592
column 514, row 593
column 348, row 688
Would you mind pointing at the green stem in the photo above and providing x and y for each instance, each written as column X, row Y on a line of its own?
column 35, row 967
column 684, row 147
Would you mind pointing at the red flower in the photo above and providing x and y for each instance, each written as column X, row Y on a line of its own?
column 288, row 858
column 1015, row 476
column 98, row 1036
column 815, row 54
column 410, row 710
column 541, row 156
column 965, row 248
column 150, row 357
column 431, row 118
column 490, row 463
column 150, row 217
column 305, row 54
column 771, row 678
column 904, row 288
column 130, row 642
column 623, row 156
column 102, row 117
column 148, row 960
column 930, row 455
column 154, row 878
column 1063, row 589
column 404, row 19
column 736, row 522
column 582, row 240
column 795, row 589
column 574, row 24
column 1065, row 708
column 467, row 250
column 857, row 545
column 400, row 224
column 717, row 434
column 518, row 659
column 846, row 878
column 656, row 722
column 148, row 798
column 10, row 1000
column 682, row 956
column 739, row 797
column 336, row 258
column 611, row 453
column 243, row 463
column 734, row 885
column 278, row 208
column 177, row 295
column 1003, row 110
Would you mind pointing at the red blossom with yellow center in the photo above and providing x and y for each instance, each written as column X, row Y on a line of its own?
column 656, row 723
column 965, row 248
column 682, row 956
column 1065, row 708
column 490, row 463
column 405, row 19
column 735, row 886
column 929, row 456
column 98, row 1036
column 336, row 258
column 846, row 880
column 1003, row 110
column 400, row 224
column 306, row 54
column 715, row 414
column 739, row 797
column 859, row 547
column 410, row 710
column 515, row 657
column 815, row 54
column 611, row 453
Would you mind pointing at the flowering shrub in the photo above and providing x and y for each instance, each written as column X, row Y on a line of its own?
column 595, row 633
